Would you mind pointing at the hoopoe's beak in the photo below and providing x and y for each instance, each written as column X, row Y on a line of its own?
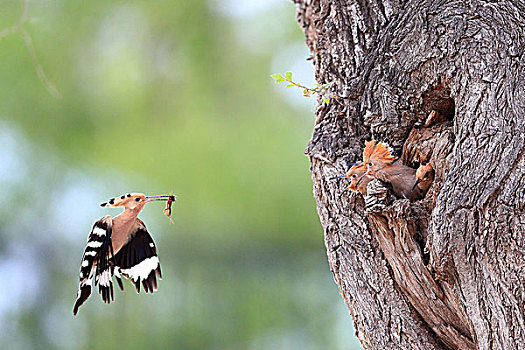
column 161, row 198
column 361, row 178
column 346, row 176
column 418, row 180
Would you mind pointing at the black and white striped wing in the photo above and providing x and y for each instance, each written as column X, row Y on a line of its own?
column 138, row 261
column 96, row 261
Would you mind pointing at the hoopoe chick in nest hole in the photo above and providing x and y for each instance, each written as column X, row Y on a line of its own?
column 358, row 180
column 424, row 177
column 355, row 176
column 382, row 165
column 120, row 246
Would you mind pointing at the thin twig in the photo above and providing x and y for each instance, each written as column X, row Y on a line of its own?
column 299, row 85
column 50, row 87
column 21, row 20
column 321, row 89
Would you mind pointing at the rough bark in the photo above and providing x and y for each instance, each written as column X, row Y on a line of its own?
column 446, row 271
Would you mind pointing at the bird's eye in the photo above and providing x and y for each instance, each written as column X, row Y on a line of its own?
column 354, row 176
column 369, row 164
column 137, row 199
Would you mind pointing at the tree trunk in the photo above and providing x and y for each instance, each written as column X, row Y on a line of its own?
column 447, row 271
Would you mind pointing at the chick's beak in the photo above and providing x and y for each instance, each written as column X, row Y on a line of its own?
column 361, row 178
column 418, row 180
column 367, row 173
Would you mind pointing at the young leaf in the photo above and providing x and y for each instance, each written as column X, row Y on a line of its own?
column 278, row 77
column 326, row 100
column 288, row 75
column 290, row 85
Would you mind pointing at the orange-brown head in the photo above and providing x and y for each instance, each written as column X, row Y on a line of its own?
column 134, row 201
column 358, row 180
column 376, row 156
column 424, row 177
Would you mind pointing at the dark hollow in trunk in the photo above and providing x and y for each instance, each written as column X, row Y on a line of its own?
column 448, row 271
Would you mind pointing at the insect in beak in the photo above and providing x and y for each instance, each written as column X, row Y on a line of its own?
column 167, row 211
column 169, row 198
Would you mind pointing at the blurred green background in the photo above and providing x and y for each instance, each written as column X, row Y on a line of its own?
column 101, row 98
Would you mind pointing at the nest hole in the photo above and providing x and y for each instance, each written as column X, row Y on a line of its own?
column 438, row 99
column 421, row 239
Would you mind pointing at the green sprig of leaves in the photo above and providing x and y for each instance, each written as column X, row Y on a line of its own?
column 321, row 89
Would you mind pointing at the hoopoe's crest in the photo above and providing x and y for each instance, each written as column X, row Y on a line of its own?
column 376, row 155
column 120, row 246
column 129, row 200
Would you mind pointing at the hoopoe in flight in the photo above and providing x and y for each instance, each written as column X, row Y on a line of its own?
column 424, row 177
column 120, row 246
column 382, row 165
